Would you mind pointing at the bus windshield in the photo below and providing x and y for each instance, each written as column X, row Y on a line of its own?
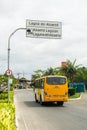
column 55, row 80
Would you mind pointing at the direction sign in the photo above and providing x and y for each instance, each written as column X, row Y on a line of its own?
column 8, row 72
column 43, row 29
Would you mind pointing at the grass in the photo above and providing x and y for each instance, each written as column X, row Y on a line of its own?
column 7, row 113
column 85, row 90
column 77, row 95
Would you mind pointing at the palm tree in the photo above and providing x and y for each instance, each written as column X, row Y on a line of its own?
column 70, row 69
column 81, row 75
column 49, row 71
column 37, row 74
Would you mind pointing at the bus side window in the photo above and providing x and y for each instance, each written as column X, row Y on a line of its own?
column 42, row 83
column 36, row 84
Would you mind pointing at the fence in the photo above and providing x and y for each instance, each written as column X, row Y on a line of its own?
column 80, row 87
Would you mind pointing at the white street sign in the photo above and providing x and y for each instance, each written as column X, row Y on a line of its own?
column 43, row 29
column 10, row 81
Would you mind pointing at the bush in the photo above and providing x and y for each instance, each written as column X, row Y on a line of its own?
column 3, row 95
column 7, row 112
column 71, row 91
column 7, row 116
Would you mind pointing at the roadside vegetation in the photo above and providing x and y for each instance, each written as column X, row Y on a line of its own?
column 7, row 110
column 76, row 95
column 74, row 73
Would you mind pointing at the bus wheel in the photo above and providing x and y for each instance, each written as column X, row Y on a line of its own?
column 60, row 103
column 41, row 101
column 36, row 98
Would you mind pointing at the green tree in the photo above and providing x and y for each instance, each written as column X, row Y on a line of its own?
column 4, row 81
column 37, row 74
column 81, row 75
column 49, row 71
column 75, row 73
column 70, row 69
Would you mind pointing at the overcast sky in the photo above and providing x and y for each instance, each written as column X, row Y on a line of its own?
column 29, row 54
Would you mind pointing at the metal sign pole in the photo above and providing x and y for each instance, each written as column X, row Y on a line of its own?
column 9, row 60
column 8, row 69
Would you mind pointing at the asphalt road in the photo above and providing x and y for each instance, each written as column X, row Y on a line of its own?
column 32, row 116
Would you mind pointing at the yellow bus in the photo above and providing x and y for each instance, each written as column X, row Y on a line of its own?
column 51, row 89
